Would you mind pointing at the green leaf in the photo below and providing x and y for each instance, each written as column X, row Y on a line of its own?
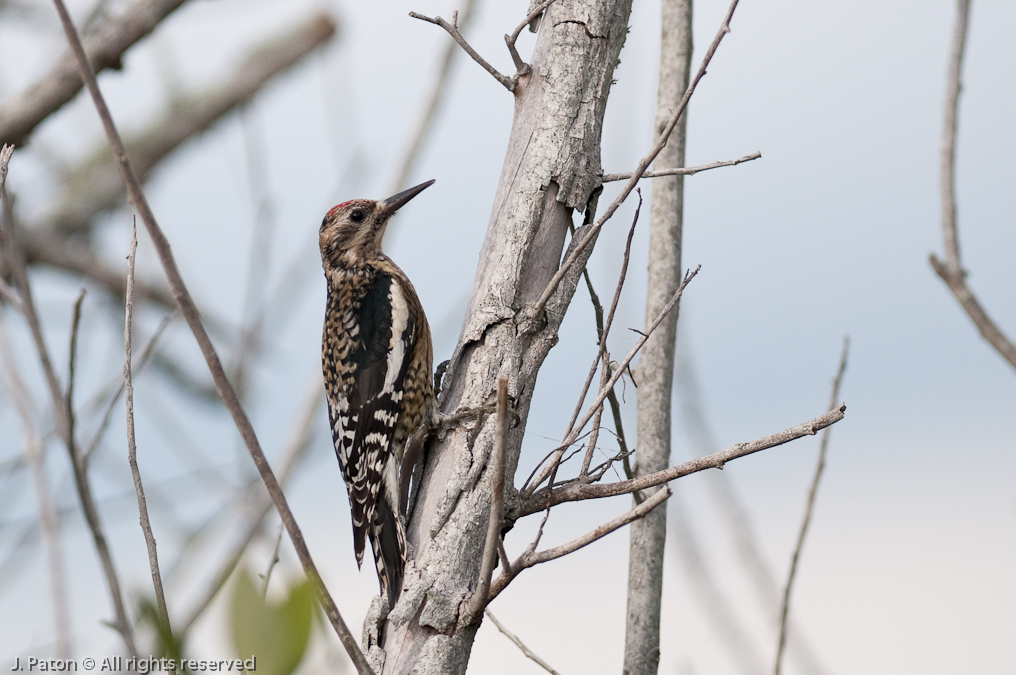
column 275, row 632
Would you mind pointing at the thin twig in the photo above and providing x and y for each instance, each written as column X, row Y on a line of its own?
column 947, row 159
column 528, row 491
column 545, row 498
column 521, row 67
column 189, row 310
column 518, row 643
column 272, row 562
column 132, row 449
column 951, row 269
column 689, row 171
column 603, row 328
column 16, row 261
column 453, row 30
column 72, row 361
column 615, row 406
column 530, row 558
column 603, row 331
column 529, row 315
column 809, row 509
column 478, row 601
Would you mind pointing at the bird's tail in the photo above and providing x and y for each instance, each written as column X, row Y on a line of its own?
column 388, row 539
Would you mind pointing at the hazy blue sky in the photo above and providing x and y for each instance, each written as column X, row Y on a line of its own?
column 909, row 567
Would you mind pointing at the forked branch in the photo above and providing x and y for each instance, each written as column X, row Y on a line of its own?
column 951, row 269
column 453, row 30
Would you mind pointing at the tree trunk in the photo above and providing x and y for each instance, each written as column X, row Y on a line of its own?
column 552, row 166
column 655, row 372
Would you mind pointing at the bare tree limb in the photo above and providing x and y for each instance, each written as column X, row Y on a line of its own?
column 272, row 562
column 545, row 498
column 187, row 307
column 105, row 48
column 132, row 450
column 951, row 269
column 808, row 510
column 690, row 171
column 532, row 656
column 453, row 30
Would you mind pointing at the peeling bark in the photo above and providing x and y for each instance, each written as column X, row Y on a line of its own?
column 552, row 167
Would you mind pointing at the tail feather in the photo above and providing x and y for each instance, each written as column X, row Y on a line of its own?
column 388, row 539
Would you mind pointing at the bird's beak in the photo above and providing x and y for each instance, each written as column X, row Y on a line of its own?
column 389, row 206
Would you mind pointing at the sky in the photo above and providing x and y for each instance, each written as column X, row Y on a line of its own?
column 908, row 564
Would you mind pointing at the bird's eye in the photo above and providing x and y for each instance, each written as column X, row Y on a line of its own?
column 357, row 215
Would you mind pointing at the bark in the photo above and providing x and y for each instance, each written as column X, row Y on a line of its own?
column 551, row 168
column 655, row 372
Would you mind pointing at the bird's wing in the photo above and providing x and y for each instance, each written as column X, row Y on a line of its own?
column 379, row 355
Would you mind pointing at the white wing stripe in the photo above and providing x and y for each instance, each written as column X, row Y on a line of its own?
column 397, row 346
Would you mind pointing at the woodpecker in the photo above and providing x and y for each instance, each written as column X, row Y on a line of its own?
column 377, row 361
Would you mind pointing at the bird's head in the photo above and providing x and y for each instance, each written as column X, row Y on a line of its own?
column 352, row 231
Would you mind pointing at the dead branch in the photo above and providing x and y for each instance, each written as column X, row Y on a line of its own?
column 132, row 450
column 453, row 30
column 189, row 310
column 951, row 269
column 521, row 67
column 690, row 171
column 295, row 449
column 545, row 498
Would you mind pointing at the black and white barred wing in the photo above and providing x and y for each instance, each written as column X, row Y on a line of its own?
column 380, row 330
